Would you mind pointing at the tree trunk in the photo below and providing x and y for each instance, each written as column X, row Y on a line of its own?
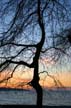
column 35, row 84
column 39, row 92
column 39, row 95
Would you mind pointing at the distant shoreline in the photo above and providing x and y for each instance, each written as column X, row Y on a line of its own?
column 22, row 89
column 13, row 89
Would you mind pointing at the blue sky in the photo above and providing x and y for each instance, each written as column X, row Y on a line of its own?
column 34, row 34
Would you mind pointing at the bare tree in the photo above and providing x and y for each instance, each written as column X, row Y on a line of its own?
column 28, row 31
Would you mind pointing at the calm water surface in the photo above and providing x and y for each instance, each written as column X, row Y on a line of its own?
column 28, row 97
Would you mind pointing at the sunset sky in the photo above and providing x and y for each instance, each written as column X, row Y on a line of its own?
column 55, row 73
column 61, row 74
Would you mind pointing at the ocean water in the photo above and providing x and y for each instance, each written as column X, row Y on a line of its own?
column 28, row 97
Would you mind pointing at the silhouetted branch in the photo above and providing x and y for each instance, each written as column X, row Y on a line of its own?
column 9, row 77
column 56, row 81
column 15, row 44
column 55, row 48
column 16, row 62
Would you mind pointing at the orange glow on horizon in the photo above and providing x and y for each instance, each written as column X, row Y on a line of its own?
column 17, row 82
